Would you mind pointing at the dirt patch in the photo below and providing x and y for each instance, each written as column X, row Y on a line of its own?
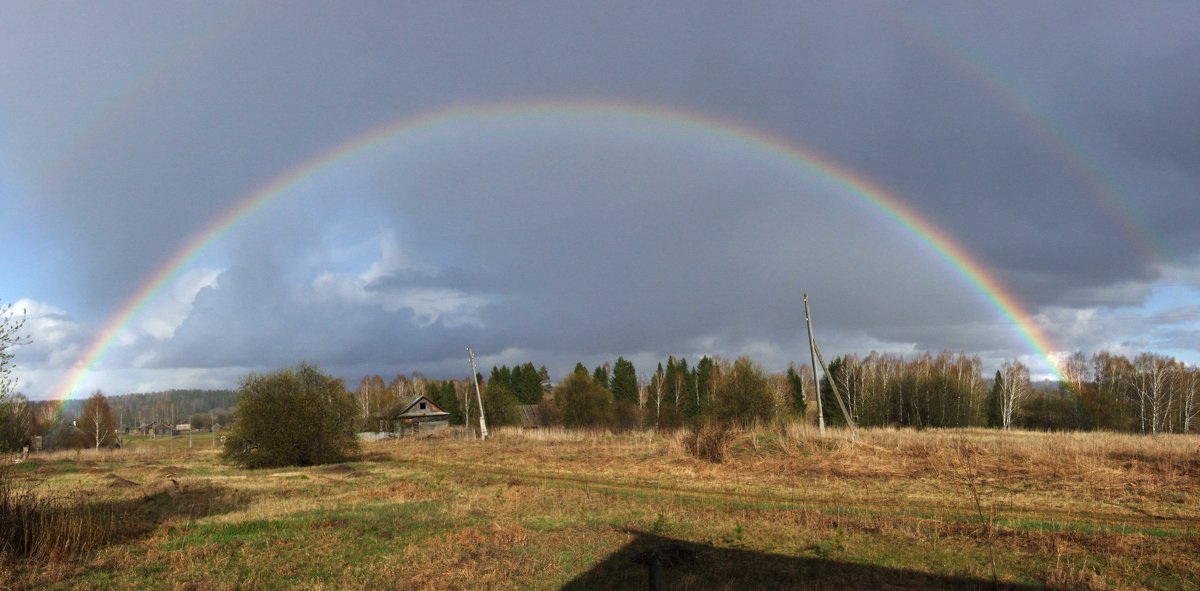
column 171, row 470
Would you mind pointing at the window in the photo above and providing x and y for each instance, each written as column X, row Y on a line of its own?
column 422, row 406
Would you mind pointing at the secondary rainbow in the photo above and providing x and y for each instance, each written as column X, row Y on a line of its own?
column 538, row 113
column 940, row 41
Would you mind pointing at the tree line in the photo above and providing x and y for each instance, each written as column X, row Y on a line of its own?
column 21, row 418
column 1148, row 393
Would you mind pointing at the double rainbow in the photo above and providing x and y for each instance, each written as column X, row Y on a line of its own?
column 660, row 119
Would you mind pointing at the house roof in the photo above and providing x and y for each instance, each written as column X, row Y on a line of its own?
column 409, row 408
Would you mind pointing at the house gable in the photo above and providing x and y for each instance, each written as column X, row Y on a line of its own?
column 422, row 406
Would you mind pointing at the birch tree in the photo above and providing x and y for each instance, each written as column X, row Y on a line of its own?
column 97, row 421
column 1014, row 388
column 1189, row 384
column 1151, row 385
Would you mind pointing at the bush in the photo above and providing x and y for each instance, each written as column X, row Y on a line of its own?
column 582, row 402
column 709, row 439
column 548, row 413
column 743, row 395
column 500, row 405
column 293, row 417
column 626, row 415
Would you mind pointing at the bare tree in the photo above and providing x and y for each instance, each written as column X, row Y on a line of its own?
column 1151, row 385
column 10, row 337
column 1189, row 384
column 658, row 386
column 1075, row 371
column 97, row 420
column 1014, row 387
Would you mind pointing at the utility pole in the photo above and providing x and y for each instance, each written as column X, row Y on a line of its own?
column 837, row 396
column 816, row 352
column 483, row 433
column 467, row 407
column 812, row 352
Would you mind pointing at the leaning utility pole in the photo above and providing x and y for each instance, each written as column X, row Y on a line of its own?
column 467, row 411
column 812, row 352
column 837, row 396
column 475, row 378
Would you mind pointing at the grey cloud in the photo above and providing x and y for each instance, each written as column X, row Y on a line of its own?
column 998, row 123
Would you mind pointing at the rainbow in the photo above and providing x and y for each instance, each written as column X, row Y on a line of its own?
column 118, row 108
column 938, row 40
column 533, row 113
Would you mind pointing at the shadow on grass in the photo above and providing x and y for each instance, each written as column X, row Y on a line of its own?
column 690, row 565
column 38, row 529
column 139, row 516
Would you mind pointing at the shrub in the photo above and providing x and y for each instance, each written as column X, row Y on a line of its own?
column 709, row 439
column 500, row 405
column 743, row 395
column 582, row 402
column 626, row 415
column 548, row 413
column 293, row 417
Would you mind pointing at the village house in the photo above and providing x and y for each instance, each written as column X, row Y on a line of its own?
column 417, row 415
column 156, row 429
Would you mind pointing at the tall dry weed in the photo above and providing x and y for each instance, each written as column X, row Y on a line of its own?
column 48, row 528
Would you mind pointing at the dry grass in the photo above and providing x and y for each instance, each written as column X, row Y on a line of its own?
column 48, row 527
column 540, row 509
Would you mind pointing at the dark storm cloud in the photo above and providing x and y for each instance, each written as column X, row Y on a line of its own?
column 651, row 260
column 1013, row 127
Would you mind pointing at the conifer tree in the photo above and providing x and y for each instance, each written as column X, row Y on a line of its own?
column 600, row 376
column 796, row 385
column 994, row 419
column 528, row 384
column 624, row 381
column 704, row 381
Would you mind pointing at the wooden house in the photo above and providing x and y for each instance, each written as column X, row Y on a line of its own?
column 416, row 415
column 155, row 429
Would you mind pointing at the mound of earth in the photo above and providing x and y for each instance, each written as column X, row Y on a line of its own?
column 115, row 481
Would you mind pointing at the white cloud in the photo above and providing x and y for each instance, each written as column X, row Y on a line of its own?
column 393, row 260
column 55, row 338
column 165, row 312
column 429, row 304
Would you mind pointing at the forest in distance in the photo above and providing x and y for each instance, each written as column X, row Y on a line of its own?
column 1149, row 393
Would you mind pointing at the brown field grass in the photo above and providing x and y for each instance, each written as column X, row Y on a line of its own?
column 570, row 509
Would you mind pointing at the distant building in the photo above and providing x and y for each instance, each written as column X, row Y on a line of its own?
column 417, row 415
column 155, row 429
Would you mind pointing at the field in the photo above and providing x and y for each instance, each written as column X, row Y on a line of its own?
column 575, row 510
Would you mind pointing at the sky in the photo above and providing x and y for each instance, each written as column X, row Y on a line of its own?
column 193, row 191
